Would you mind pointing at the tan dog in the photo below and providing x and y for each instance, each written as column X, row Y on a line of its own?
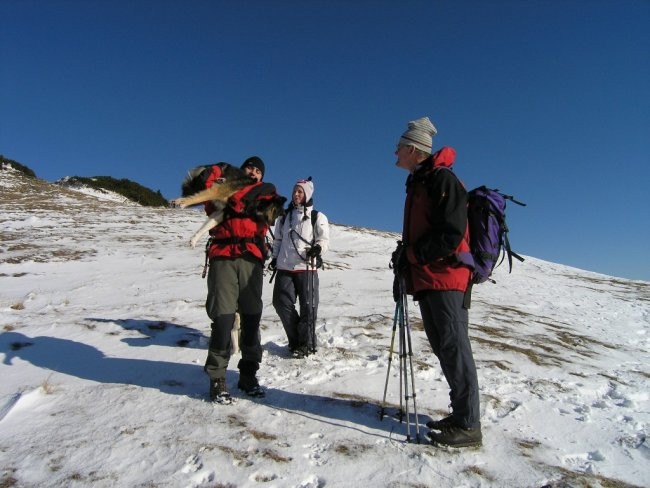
column 233, row 179
column 234, row 335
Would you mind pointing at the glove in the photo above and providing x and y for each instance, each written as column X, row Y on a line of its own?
column 398, row 260
column 314, row 252
column 396, row 290
column 273, row 264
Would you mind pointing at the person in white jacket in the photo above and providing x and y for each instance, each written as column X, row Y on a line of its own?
column 301, row 238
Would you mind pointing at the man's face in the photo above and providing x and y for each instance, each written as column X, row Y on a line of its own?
column 406, row 157
column 253, row 173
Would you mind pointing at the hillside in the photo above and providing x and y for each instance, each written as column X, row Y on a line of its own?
column 105, row 187
column 104, row 335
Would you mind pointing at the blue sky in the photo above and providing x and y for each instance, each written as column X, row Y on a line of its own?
column 545, row 100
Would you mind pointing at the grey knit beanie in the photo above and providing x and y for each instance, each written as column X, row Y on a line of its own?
column 419, row 134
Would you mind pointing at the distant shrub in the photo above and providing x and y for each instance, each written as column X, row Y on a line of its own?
column 127, row 188
column 17, row 166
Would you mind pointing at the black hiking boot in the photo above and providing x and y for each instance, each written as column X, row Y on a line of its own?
column 249, row 385
column 454, row 436
column 441, row 424
column 300, row 352
column 219, row 392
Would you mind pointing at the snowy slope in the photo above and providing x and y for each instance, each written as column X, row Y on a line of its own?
column 104, row 333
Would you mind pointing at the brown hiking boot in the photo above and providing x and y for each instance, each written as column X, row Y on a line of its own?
column 454, row 436
column 219, row 391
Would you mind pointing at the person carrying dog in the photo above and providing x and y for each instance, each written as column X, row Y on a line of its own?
column 301, row 238
column 236, row 253
column 435, row 231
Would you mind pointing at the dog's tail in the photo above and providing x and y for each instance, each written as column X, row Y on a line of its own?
column 194, row 181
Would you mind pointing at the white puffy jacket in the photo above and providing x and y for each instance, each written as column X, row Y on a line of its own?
column 294, row 234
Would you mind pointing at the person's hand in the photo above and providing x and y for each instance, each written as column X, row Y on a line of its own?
column 396, row 290
column 314, row 252
column 398, row 260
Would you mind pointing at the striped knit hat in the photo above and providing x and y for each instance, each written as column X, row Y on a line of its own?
column 419, row 134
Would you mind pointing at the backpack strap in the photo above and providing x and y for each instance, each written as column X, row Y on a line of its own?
column 314, row 216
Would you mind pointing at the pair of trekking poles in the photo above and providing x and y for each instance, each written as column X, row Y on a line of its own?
column 406, row 373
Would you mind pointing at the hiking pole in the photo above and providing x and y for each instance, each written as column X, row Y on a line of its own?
column 406, row 338
column 382, row 408
column 403, row 374
column 310, row 295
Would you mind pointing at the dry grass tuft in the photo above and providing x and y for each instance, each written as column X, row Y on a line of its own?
column 534, row 356
column 526, row 446
column 244, row 457
column 355, row 400
column 563, row 477
column 479, row 472
column 8, row 481
column 236, row 420
column 48, row 387
column 274, row 456
column 259, row 435
column 352, row 450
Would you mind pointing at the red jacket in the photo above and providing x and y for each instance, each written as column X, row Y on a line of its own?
column 435, row 226
column 239, row 235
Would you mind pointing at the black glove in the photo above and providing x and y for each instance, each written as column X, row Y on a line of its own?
column 396, row 290
column 398, row 260
column 273, row 264
column 314, row 252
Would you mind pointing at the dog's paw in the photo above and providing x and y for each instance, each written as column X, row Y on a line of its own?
column 178, row 203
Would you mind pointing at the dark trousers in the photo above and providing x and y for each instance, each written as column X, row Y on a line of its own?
column 234, row 285
column 446, row 325
column 301, row 286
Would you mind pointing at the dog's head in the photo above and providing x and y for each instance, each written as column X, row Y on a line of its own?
column 268, row 210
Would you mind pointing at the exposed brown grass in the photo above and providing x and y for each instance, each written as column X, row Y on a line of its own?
column 563, row 477
column 259, row 435
column 478, row 471
column 352, row 450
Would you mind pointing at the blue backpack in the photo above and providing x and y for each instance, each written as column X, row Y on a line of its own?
column 488, row 231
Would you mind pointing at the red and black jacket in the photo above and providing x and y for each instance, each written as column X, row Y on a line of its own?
column 240, row 234
column 435, row 226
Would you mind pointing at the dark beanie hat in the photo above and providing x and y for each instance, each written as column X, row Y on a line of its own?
column 255, row 162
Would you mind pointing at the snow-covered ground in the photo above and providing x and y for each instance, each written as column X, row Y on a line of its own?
column 104, row 334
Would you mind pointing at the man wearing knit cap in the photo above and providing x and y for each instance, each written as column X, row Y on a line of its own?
column 254, row 166
column 236, row 253
column 426, row 265
column 419, row 135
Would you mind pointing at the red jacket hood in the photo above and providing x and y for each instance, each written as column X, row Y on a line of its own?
column 444, row 157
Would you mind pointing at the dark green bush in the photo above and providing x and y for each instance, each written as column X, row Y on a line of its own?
column 17, row 166
column 129, row 189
